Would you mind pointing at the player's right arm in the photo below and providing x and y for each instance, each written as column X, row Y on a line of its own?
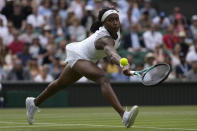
column 107, row 43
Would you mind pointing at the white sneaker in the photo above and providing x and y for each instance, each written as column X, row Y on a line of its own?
column 31, row 109
column 129, row 116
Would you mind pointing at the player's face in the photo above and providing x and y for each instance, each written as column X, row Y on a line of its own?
column 112, row 23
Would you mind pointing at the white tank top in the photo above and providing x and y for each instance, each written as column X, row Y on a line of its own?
column 86, row 48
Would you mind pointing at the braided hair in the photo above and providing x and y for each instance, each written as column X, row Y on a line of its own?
column 95, row 26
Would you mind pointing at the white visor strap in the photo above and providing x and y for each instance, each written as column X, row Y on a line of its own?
column 107, row 13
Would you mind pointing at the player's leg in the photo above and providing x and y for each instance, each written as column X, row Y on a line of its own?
column 94, row 73
column 67, row 77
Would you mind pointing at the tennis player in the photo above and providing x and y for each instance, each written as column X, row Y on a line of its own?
column 81, row 61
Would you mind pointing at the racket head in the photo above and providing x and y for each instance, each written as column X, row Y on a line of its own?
column 156, row 74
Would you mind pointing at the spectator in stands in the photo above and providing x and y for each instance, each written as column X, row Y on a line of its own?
column 122, row 6
column 26, row 7
column 176, row 14
column 179, row 24
column 18, row 72
column 192, row 52
column 183, row 67
column 152, row 38
column 3, row 30
column 172, row 74
column 151, row 11
column 2, row 70
column 161, row 21
column 112, row 68
column 144, row 22
column 88, row 18
column 98, row 5
column 18, row 18
column 62, row 65
column 159, row 54
column 78, row 6
column 141, row 3
column 76, row 31
column 44, row 37
column 2, row 48
column 189, row 37
column 54, row 68
column 59, row 31
column 181, row 41
column 35, row 48
column 49, row 56
column 175, row 55
column 35, row 19
column 28, row 36
column 2, row 60
column 2, row 4
column 9, row 58
column 4, row 19
column 169, row 39
column 34, row 67
column 133, row 41
column 25, row 56
column 8, row 8
column 62, row 50
column 51, row 41
column 149, row 60
column 192, row 74
column 119, row 76
column 9, row 37
column 63, row 13
column 16, row 46
column 53, row 15
column 133, row 12
column 45, row 9
column 71, row 16
column 44, row 76
column 194, row 26
column 131, row 62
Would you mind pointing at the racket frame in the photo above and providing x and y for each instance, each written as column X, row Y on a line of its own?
column 143, row 72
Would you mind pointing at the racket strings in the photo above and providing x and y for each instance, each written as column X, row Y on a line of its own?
column 155, row 75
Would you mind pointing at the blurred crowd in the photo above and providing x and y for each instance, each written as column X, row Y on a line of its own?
column 34, row 33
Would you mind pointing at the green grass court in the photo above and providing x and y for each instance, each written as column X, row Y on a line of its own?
column 150, row 118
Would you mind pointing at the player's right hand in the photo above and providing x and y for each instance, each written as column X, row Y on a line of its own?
column 126, row 70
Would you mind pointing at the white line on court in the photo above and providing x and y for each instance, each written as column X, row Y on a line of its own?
column 54, row 124
column 90, row 125
column 9, row 122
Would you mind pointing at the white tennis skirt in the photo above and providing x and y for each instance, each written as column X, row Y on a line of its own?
column 72, row 56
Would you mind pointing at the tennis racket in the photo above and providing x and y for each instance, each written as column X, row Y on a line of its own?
column 153, row 75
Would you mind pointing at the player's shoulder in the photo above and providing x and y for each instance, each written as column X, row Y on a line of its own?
column 101, row 32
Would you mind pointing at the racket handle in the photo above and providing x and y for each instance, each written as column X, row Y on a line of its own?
column 132, row 72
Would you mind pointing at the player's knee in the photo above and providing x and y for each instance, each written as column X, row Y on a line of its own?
column 103, row 78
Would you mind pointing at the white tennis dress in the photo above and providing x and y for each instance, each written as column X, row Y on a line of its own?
column 86, row 49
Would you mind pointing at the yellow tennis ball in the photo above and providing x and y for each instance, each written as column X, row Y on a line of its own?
column 123, row 61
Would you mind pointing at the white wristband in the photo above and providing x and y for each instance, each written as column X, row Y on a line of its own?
column 121, row 66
